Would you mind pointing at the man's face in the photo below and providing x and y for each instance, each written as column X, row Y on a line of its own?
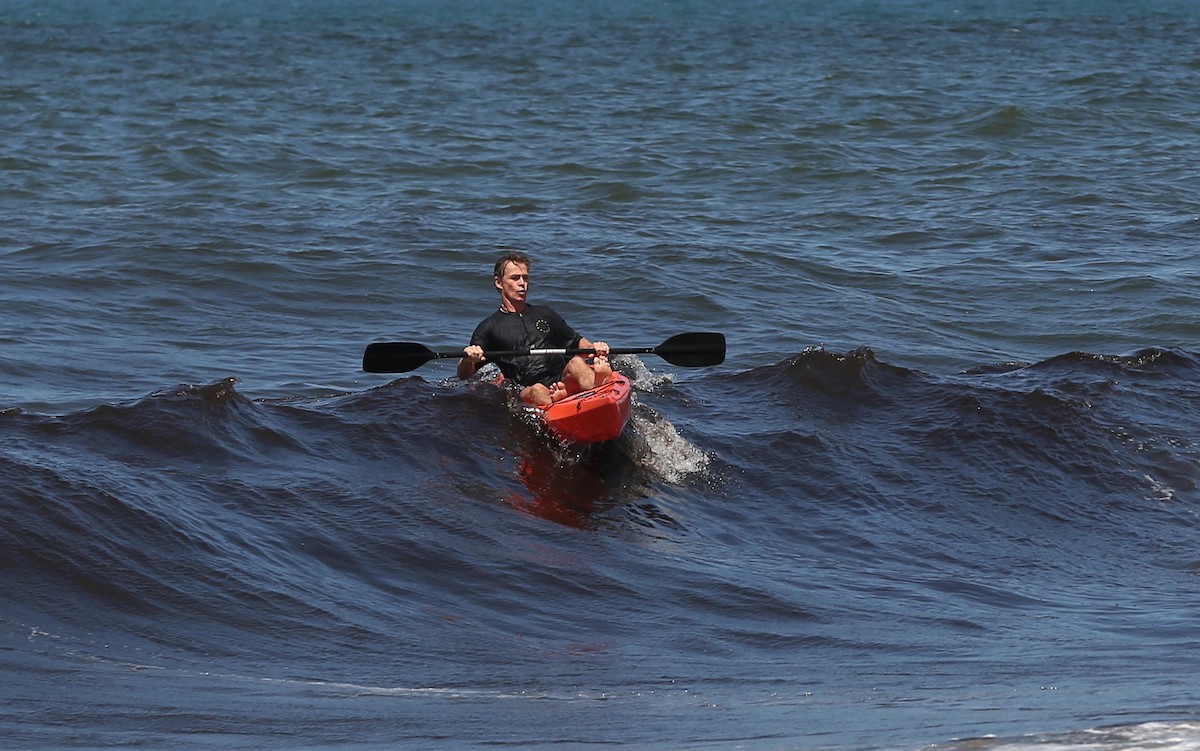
column 514, row 283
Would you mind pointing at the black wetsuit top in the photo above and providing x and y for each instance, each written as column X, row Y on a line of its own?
column 537, row 327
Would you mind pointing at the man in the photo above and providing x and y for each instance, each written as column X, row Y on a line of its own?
column 519, row 325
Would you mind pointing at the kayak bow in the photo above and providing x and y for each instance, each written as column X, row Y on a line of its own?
column 591, row 416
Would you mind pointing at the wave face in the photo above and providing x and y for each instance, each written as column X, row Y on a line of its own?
column 823, row 538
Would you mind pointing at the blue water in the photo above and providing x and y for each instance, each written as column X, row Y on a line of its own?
column 943, row 491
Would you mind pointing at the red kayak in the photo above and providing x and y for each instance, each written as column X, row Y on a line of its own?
column 591, row 416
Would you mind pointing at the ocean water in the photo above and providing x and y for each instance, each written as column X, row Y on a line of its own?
column 943, row 492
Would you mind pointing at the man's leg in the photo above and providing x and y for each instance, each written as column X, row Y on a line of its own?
column 538, row 395
column 580, row 376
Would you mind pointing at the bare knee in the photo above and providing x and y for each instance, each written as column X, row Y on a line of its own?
column 538, row 395
column 578, row 375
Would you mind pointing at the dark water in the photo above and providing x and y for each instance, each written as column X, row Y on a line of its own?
column 943, row 492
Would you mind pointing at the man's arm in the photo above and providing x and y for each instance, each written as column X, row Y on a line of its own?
column 470, row 363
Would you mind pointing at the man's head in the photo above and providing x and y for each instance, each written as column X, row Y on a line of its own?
column 511, row 277
column 507, row 258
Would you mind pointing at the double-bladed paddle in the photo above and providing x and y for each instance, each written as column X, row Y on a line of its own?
column 685, row 350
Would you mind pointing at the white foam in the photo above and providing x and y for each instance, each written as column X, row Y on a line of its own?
column 656, row 445
column 1148, row 736
column 641, row 376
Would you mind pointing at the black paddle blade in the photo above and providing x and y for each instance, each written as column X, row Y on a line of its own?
column 396, row 357
column 693, row 350
column 685, row 350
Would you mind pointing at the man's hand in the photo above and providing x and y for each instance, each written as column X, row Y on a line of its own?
column 472, row 359
column 474, row 353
